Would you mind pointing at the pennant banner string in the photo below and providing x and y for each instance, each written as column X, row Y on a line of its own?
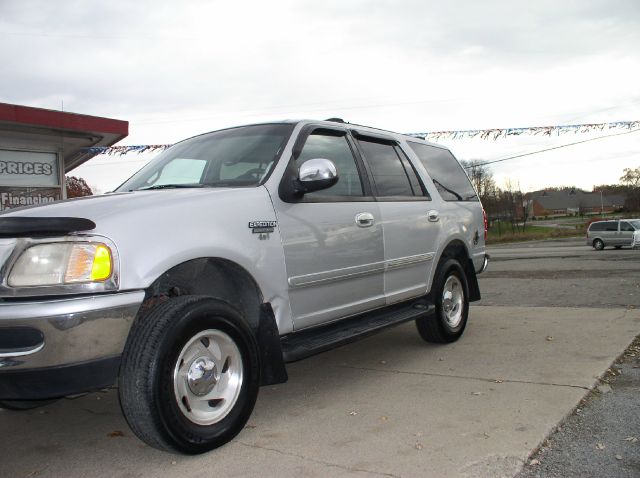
column 493, row 133
column 497, row 133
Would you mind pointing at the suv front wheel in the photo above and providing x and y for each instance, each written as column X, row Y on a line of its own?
column 450, row 294
column 189, row 375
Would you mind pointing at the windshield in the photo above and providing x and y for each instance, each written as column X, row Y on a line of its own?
column 229, row 158
column 635, row 223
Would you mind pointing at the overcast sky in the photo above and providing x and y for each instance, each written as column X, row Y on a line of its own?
column 175, row 69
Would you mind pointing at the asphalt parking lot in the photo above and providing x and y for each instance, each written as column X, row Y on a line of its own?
column 553, row 318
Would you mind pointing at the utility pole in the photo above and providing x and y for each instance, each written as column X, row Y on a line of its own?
column 601, row 204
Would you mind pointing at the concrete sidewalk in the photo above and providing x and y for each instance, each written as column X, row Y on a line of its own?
column 390, row 405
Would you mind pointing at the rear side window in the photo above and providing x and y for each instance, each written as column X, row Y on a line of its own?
column 597, row 226
column 445, row 171
column 389, row 174
column 611, row 226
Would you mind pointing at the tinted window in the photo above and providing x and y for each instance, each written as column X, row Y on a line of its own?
column 625, row 226
column 337, row 149
column 611, row 226
column 635, row 224
column 445, row 171
column 387, row 169
column 416, row 184
column 597, row 226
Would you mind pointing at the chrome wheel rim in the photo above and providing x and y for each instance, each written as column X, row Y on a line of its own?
column 452, row 301
column 207, row 377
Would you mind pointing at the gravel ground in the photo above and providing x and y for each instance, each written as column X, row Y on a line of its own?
column 601, row 438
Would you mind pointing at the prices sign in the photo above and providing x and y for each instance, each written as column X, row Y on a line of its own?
column 28, row 169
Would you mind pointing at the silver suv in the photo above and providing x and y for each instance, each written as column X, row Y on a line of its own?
column 226, row 257
column 616, row 233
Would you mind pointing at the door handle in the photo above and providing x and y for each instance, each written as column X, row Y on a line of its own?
column 364, row 219
column 433, row 216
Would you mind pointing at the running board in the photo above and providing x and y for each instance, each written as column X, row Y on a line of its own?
column 308, row 342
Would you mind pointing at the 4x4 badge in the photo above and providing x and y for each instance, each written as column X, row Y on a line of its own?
column 262, row 227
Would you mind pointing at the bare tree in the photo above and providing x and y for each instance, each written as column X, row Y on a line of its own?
column 631, row 177
column 631, row 180
column 481, row 177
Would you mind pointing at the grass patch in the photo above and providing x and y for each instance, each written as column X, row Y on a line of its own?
column 531, row 233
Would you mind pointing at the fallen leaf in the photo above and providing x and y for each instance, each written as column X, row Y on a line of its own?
column 600, row 446
column 534, row 462
column 497, row 381
column 384, row 418
column 353, row 413
column 477, row 393
column 383, row 362
column 115, row 433
column 174, row 462
column 549, row 338
column 418, row 446
column 618, row 457
column 631, row 439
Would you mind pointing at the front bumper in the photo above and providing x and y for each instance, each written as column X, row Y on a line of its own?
column 56, row 333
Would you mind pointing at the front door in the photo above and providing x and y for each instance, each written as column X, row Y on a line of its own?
column 626, row 233
column 333, row 242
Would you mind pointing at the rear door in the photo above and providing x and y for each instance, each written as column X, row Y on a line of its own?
column 409, row 236
column 610, row 233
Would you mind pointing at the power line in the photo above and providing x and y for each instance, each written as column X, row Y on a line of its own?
column 550, row 149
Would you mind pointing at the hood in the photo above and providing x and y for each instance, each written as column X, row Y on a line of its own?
column 131, row 206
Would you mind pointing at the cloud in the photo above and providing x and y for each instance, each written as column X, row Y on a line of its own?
column 174, row 69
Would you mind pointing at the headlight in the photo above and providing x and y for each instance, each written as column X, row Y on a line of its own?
column 62, row 263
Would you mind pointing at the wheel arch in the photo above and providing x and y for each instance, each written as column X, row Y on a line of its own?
column 228, row 281
column 457, row 249
column 212, row 276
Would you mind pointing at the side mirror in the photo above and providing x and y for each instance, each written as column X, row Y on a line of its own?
column 316, row 174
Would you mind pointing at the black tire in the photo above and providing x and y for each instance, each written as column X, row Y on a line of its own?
column 598, row 245
column 436, row 328
column 24, row 405
column 146, row 382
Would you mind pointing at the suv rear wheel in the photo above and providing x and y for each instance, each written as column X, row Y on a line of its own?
column 190, row 374
column 451, row 297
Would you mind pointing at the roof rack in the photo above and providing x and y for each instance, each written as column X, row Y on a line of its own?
column 336, row 120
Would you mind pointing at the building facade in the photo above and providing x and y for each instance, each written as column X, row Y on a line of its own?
column 38, row 147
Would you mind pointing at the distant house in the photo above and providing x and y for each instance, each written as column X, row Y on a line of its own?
column 572, row 201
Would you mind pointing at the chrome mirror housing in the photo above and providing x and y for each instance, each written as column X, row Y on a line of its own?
column 316, row 174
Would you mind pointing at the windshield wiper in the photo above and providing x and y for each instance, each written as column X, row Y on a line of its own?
column 170, row 186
